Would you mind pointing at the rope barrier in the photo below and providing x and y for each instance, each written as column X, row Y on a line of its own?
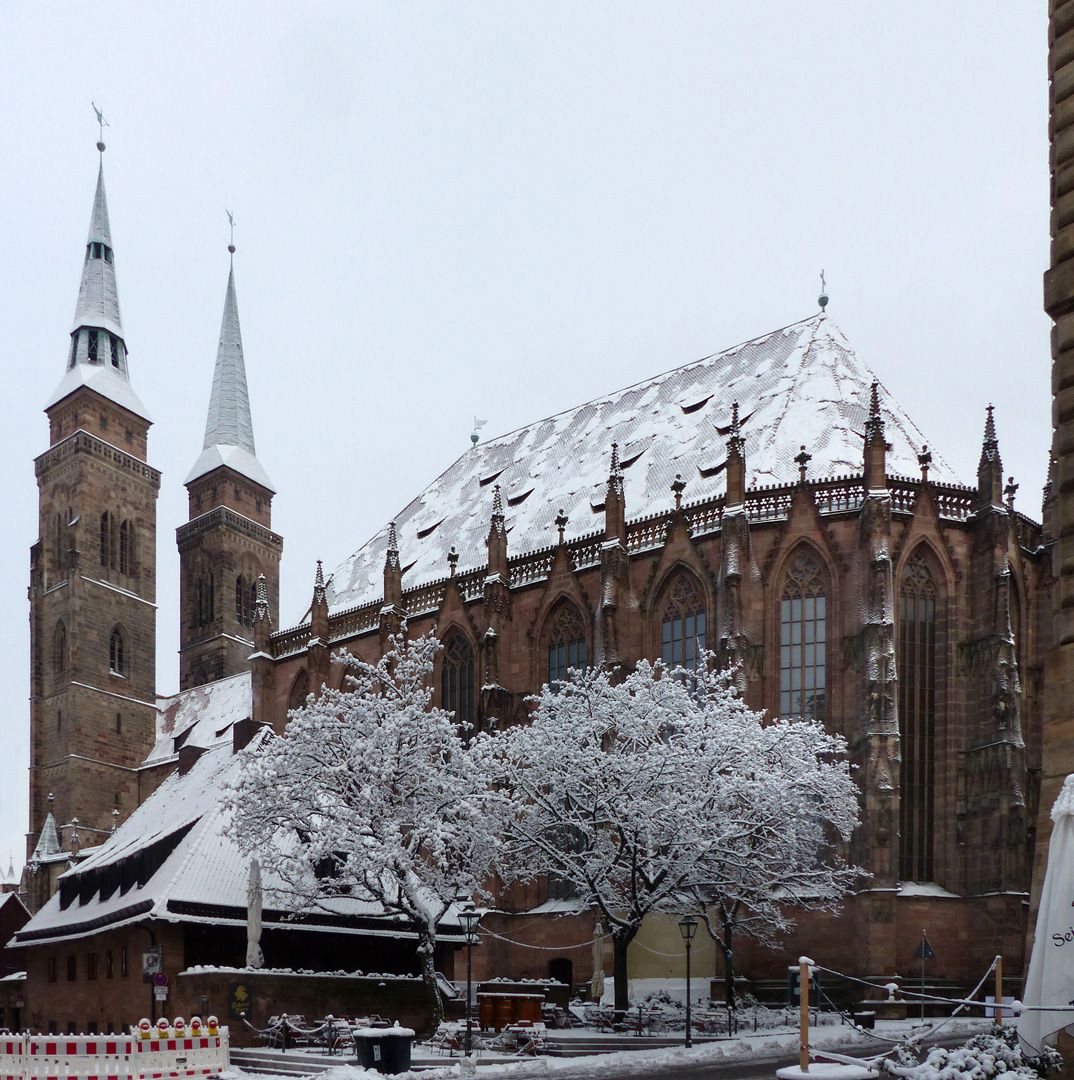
column 485, row 932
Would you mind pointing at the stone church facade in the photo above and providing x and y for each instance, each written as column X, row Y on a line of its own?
column 771, row 503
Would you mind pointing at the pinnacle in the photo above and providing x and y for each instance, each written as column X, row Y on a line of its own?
column 990, row 444
column 615, row 469
column 497, row 502
column 874, row 401
column 393, row 540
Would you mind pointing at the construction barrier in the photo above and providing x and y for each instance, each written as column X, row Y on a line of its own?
column 112, row 1057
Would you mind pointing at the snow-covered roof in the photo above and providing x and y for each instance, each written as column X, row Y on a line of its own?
column 201, row 717
column 179, row 830
column 229, row 428
column 799, row 385
column 48, row 841
column 106, row 381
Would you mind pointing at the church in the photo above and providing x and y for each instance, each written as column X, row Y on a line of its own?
column 770, row 502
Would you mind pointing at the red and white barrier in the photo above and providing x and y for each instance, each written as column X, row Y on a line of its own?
column 112, row 1057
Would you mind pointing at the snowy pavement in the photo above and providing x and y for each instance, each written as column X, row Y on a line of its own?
column 758, row 1053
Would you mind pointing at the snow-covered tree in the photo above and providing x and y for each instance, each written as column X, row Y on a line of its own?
column 373, row 793
column 642, row 790
column 794, row 807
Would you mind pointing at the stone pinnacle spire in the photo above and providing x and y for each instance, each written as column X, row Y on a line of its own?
column 97, row 356
column 229, row 429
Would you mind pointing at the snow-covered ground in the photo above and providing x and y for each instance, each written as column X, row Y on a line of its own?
column 775, row 1045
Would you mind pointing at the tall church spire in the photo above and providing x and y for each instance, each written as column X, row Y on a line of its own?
column 229, row 429
column 97, row 356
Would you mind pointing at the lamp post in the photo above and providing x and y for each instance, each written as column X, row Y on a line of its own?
column 469, row 918
column 688, row 927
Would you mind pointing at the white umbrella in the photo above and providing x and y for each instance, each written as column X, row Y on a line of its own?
column 598, row 962
column 254, row 956
column 1050, row 980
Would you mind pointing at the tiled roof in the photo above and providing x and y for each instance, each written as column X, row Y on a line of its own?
column 801, row 385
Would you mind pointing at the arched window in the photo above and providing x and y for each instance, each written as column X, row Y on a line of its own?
column 126, row 547
column 300, row 689
column 457, row 679
column 683, row 623
column 117, row 653
column 204, row 600
column 566, row 643
column 59, row 649
column 108, row 558
column 245, row 596
column 803, row 640
column 917, row 718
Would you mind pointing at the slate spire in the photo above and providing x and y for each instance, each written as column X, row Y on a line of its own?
column 97, row 355
column 229, row 428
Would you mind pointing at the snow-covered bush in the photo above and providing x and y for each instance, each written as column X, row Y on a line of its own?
column 993, row 1054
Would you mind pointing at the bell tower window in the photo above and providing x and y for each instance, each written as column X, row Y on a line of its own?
column 91, row 346
column 117, row 653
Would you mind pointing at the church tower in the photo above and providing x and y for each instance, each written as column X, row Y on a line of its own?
column 93, row 573
column 228, row 543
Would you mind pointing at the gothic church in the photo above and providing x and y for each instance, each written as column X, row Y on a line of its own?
column 771, row 502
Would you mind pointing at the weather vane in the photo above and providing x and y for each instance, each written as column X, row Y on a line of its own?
column 231, row 223
column 101, row 125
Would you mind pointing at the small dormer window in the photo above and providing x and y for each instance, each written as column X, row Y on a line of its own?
column 91, row 346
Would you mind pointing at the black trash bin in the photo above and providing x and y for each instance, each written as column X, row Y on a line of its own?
column 386, row 1049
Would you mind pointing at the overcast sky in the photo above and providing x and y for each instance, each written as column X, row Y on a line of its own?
column 504, row 210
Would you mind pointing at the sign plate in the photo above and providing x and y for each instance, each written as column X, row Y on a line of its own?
column 160, row 979
column 160, row 993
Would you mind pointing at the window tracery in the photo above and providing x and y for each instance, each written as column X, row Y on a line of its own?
column 457, row 679
column 566, row 643
column 683, row 623
column 803, row 639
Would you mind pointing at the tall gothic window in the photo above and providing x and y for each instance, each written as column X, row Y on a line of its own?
column 803, row 637
column 59, row 649
column 108, row 525
column 566, row 643
column 457, row 679
column 300, row 689
column 1015, row 601
column 683, row 624
column 917, row 719
column 204, row 600
column 126, row 545
column 117, row 653
column 245, row 596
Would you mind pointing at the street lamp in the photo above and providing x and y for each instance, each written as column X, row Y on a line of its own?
column 469, row 919
column 688, row 927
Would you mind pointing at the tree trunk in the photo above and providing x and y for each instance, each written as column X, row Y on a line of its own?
column 427, row 955
column 621, row 940
column 729, row 966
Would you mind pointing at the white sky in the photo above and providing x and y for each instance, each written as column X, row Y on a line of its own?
column 501, row 209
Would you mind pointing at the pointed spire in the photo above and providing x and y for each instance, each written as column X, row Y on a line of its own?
column 875, row 443
column 393, row 575
column 97, row 356
column 262, row 625
column 615, row 501
column 319, row 606
column 990, row 467
column 496, row 542
column 48, row 842
column 229, row 428
column 735, row 469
